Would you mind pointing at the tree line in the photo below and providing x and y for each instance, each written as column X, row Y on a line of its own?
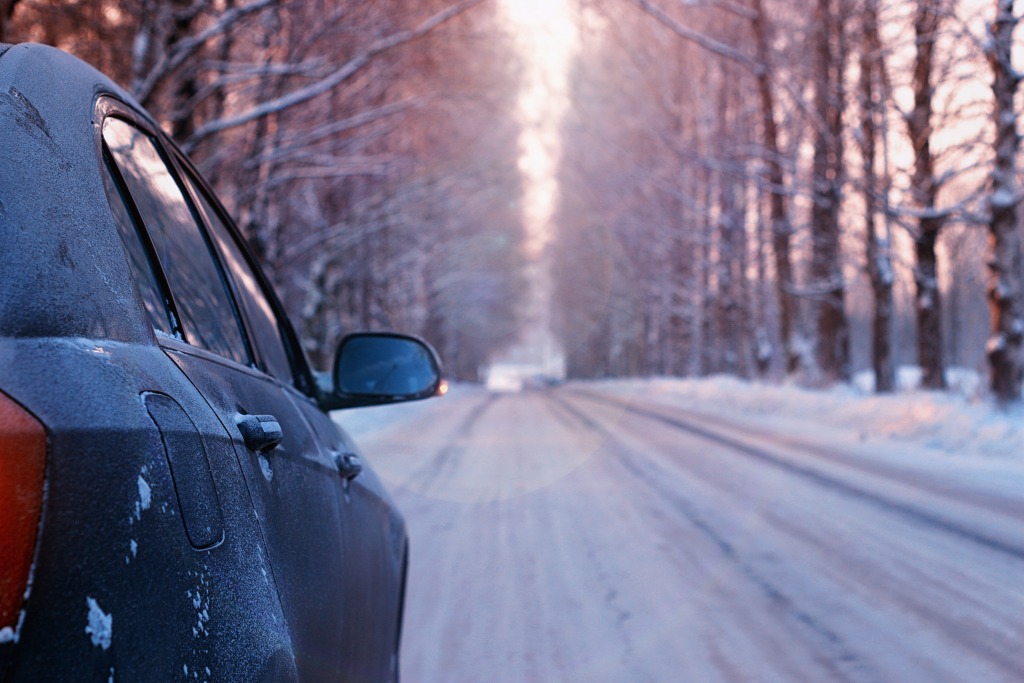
column 364, row 148
column 758, row 187
column 778, row 188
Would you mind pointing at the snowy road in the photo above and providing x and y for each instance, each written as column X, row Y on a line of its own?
column 563, row 536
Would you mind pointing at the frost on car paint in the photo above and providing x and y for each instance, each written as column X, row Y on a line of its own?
column 199, row 596
column 145, row 494
column 268, row 473
column 99, row 625
column 145, row 500
column 139, row 443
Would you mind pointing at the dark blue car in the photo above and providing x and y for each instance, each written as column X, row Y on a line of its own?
column 175, row 503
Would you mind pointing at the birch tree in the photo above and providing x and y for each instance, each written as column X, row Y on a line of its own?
column 873, row 94
column 925, row 188
column 781, row 226
column 827, row 282
column 1006, row 297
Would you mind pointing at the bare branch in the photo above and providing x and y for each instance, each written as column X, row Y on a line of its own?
column 185, row 48
column 301, row 143
column 339, row 76
column 706, row 42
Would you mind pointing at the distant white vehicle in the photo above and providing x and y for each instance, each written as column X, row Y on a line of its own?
column 504, row 378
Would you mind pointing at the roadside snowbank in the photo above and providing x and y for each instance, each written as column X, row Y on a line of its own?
column 956, row 422
column 366, row 422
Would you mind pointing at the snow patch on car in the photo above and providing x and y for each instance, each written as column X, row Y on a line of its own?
column 9, row 634
column 145, row 499
column 145, row 494
column 200, row 599
column 195, row 667
column 268, row 473
column 99, row 625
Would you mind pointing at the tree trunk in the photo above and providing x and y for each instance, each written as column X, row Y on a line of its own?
column 877, row 249
column 760, row 300
column 833, row 338
column 1005, row 291
column 731, row 237
column 6, row 12
column 925, row 190
column 708, row 342
column 186, row 86
column 780, row 226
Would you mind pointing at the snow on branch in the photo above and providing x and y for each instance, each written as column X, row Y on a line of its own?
column 187, row 47
column 706, row 42
column 339, row 76
column 300, row 144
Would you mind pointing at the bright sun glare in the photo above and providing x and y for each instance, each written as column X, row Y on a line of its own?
column 546, row 39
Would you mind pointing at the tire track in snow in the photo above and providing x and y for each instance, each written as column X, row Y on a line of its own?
column 921, row 516
column 446, row 459
column 842, row 661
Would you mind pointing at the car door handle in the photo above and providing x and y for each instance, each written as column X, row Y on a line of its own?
column 349, row 465
column 260, row 432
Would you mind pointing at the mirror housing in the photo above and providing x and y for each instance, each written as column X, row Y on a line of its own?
column 376, row 368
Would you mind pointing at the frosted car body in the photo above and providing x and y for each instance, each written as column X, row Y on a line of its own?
column 179, row 506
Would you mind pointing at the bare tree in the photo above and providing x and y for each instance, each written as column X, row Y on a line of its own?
column 781, row 227
column 925, row 188
column 1006, row 296
column 351, row 177
column 827, row 283
column 873, row 93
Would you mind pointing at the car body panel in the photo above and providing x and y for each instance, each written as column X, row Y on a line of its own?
column 370, row 641
column 62, row 245
column 311, row 584
column 109, row 488
column 155, row 560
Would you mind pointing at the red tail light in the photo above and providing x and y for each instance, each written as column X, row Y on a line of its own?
column 22, row 471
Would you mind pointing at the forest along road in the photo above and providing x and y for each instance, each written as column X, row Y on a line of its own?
column 559, row 535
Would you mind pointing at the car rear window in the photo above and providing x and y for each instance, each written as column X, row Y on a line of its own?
column 143, row 273
column 197, row 285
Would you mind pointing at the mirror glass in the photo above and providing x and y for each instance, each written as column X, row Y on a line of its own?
column 385, row 365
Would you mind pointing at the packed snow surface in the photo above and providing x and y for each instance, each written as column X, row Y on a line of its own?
column 707, row 530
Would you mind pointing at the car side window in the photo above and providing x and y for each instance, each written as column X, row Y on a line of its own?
column 266, row 329
column 198, row 287
column 143, row 273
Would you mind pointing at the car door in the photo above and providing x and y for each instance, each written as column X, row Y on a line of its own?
column 375, row 550
column 374, row 533
column 294, row 485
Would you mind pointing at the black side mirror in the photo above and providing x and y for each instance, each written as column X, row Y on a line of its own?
column 374, row 368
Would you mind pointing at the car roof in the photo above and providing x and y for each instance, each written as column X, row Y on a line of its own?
column 63, row 271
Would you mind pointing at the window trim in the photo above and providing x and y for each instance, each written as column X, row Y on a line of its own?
column 177, row 327
column 111, row 168
column 301, row 374
column 179, row 165
column 260, row 358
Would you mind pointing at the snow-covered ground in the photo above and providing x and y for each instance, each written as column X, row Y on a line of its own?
column 959, row 433
column 712, row 530
column 705, row 530
column 959, row 422
column 363, row 423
